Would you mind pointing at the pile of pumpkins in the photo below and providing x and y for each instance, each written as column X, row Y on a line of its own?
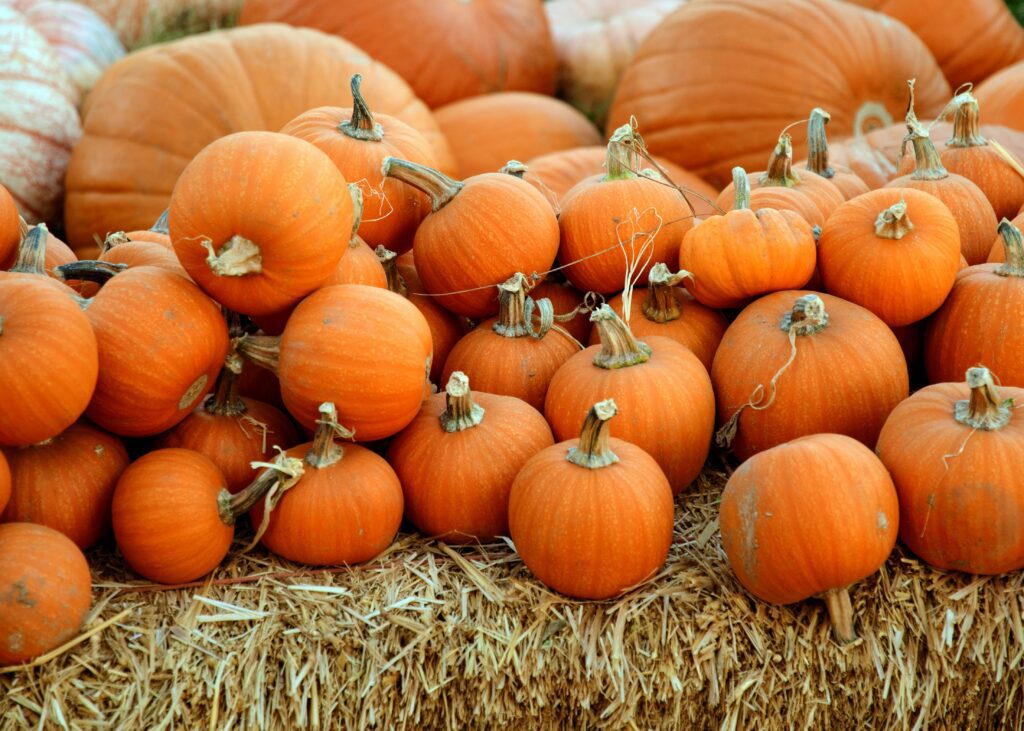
column 372, row 314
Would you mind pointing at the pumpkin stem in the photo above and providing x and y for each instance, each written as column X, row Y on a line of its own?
column 984, row 409
column 356, row 194
column 840, row 612
column 817, row 144
column 278, row 477
column 741, row 189
column 225, row 401
column 807, row 317
column 515, row 169
column 592, row 451
column 88, row 270
column 31, row 258
column 928, row 165
column 387, row 258
column 621, row 153
column 361, row 125
column 434, row 183
column 263, row 350
column 325, row 451
column 161, row 226
column 515, row 310
column 461, row 412
column 966, row 121
column 115, row 239
column 237, row 257
column 1014, row 246
column 780, row 166
column 663, row 299
column 619, row 348
column 893, row 222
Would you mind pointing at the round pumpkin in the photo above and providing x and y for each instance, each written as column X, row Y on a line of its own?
column 124, row 248
column 787, row 539
column 592, row 517
column 847, row 181
column 956, row 453
column 45, row 591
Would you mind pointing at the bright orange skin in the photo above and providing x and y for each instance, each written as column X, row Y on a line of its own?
column 850, row 184
column 669, row 401
column 788, row 538
column 166, row 519
column 367, row 350
column 495, row 226
column 844, row 379
column 980, row 323
column 999, row 96
column 900, row 280
column 746, row 254
column 591, row 534
column 598, row 213
column 457, row 484
column 960, row 492
column 48, row 359
column 5, row 482
column 813, row 198
column 392, row 210
column 67, row 483
column 359, row 266
column 986, row 168
column 446, row 328
column 146, row 389
column 280, row 193
column 141, row 253
column 10, row 228
column 45, row 591
column 346, row 513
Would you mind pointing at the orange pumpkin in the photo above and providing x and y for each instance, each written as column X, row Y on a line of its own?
column 10, row 228
column 847, row 181
column 997, row 254
column 787, row 539
column 132, row 250
column 1000, row 95
column 592, row 517
column 5, row 482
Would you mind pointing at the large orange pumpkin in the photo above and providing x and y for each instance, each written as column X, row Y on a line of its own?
column 714, row 81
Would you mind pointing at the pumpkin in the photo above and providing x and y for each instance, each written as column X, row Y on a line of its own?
column 45, row 591
column 876, row 154
column 344, row 509
column 364, row 348
column 445, row 50
column 668, row 310
column 487, row 131
column 971, row 210
column 510, row 355
column 970, row 40
column 724, row 66
column 357, row 141
column 132, row 251
column 847, row 181
column 956, row 453
column 572, row 307
column 787, row 539
column 67, row 482
column 812, row 196
column 797, row 363
column 84, row 42
column 233, row 431
column 174, row 519
column 10, row 229
column 616, row 226
column 663, row 384
column 457, row 460
column 5, row 482
column 970, row 153
column 997, row 254
column 360, row 264
column 746, row 253
column 1000, row 95
column 592, row 517
column 895, row 251
column 161, row 344
column 123, row 171
column 980, row 321
column 39, row 118
column 480, row 232
column 141, row 22
column 595, row 40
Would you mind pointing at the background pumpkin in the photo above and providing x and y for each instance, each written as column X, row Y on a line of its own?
column 140, row 22
column 5, row 482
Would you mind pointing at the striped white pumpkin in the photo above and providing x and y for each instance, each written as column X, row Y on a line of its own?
column 38, row 120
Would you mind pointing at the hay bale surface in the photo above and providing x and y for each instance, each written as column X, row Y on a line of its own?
column 429, row 636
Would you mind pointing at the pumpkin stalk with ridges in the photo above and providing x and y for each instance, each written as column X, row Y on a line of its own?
column 662, row 303
column 461, row 412
column 817, row 144
column 619, row 348
column 593, row 451
column 893, row 222
column 1013, row 244
column 435, row 184
column 361, row 125
column 780, row 166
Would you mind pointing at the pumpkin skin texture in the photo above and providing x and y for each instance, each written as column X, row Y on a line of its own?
column 161, row 344
column 265, row 195
column 166, row 516
column 867, row 255
column 457, row 460
column 1000, row 96
column 359, row 265
column 461, row 50
column 664, row 385
column 980, row 321
column 123, row 171
column 744, row 45
column 592, row 532
column 138, row 253
column 67, row 483
column 961, row 503
column 481, row 231
column 845, row 377
column 38, row 119
column 45, row 591
column 48, row 359
column 788, row 539
column 487, row 131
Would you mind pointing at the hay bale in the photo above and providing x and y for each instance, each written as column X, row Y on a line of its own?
column 429, row 636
